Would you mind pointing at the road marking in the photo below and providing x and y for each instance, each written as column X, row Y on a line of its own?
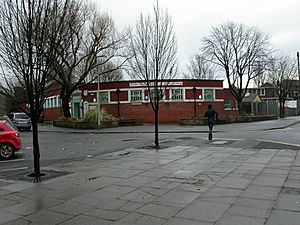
column 11, row 160
column 12, row 169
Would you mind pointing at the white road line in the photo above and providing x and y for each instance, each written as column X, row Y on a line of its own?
column 12, row 169
column 12, row 160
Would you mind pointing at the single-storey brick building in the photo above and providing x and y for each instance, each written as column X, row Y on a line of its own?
column 182, row 98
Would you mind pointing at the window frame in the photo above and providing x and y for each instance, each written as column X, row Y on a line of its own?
column 139, row 97
column 177, row 94
column 102, row 99
column 205, row 94
column 162, row 93
column 226, row 104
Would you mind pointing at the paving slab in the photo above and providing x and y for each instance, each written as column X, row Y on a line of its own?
column 289, row 202
column 7, row 217
column 283, row 217
column 204, row 211
column 240, row 220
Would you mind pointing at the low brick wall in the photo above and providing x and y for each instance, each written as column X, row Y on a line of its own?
column 85, row 125
column 226, row 119
column 243, row 119
column 130, row 122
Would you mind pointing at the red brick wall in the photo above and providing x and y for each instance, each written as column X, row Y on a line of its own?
column 51, row 114
column 169, row 112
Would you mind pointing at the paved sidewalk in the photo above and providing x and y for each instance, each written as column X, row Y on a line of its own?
column 181, row 185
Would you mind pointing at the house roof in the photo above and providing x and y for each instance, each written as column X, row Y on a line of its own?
column 251, row 98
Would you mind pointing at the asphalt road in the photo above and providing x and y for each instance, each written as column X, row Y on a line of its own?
column 60, row 147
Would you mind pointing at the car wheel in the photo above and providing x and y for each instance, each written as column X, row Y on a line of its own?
column 7, row 151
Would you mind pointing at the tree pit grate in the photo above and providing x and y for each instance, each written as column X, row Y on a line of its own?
column 45, row 175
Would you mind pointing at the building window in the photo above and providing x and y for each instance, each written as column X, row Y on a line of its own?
column 103, row 96
column 262, row 91
column 208, row 94
column 177, row 94
column 160, row 94
column 136, row 95
column 227, row 105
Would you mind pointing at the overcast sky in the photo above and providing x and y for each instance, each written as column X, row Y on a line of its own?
column 193, row 19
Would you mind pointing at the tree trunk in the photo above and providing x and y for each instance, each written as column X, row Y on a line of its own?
column 156, row 129
column 239, row 102
column 65, row 105
column 36, row 149
column 281, row 109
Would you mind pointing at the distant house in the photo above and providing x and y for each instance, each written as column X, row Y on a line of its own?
column 269, row 99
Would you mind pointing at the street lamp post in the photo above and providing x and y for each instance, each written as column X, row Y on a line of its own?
column 98, row 102
column 195, row 108
column 118, row 97
column 298, row 65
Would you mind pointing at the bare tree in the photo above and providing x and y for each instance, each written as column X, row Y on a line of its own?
column 108, row 73
column 200, row 68
column 27, row 36
column 154, row 48
column 262, row 77
column 88, row 43
column 241, row 51
column 282, row 74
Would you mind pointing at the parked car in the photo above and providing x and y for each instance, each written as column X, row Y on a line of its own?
column 20, row 120
column 10, row 140
column 8, row 120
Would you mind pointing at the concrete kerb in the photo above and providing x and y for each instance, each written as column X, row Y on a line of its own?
column 174, row 128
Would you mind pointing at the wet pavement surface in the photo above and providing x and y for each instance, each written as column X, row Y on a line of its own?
column 190, row 181
column 180, row 184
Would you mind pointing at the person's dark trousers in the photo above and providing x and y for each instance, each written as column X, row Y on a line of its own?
column 210, row 127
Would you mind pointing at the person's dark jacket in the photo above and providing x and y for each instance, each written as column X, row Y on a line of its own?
column 211, row 115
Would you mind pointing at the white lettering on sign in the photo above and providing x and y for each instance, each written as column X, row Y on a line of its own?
column 152, row 84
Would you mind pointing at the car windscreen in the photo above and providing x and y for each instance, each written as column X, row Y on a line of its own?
column 21, row 116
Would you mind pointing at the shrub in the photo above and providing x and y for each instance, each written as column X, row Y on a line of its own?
column 91, row 116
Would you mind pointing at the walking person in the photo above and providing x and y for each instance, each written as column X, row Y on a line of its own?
column 211, row 116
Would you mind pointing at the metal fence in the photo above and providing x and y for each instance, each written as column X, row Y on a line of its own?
column 271, row 108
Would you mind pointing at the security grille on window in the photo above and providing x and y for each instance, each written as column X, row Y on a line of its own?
column 103, row 96
column 177, row 94
column 136, row 95
column 208, row 94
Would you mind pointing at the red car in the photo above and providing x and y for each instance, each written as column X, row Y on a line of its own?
column 10, row 140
